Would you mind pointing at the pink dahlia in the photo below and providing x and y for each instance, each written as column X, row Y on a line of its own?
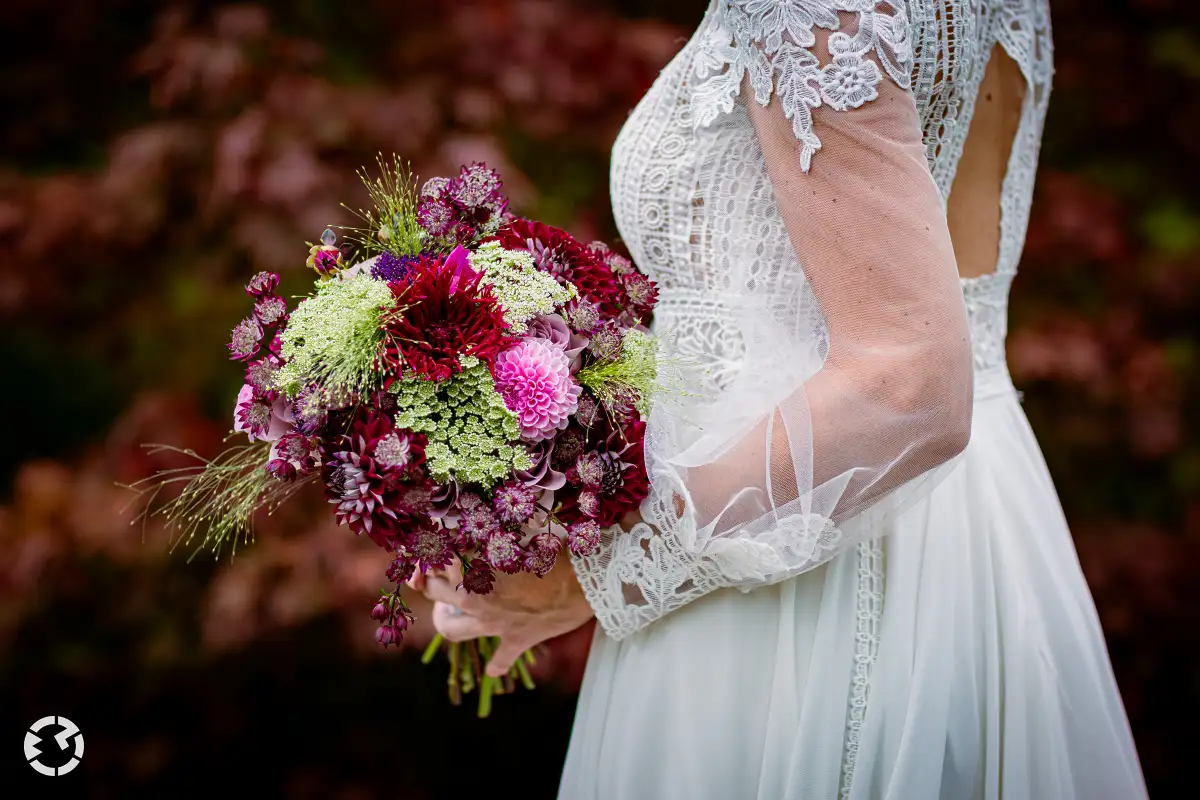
column 534, row 378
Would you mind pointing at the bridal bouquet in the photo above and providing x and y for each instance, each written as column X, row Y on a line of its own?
column 474, row 388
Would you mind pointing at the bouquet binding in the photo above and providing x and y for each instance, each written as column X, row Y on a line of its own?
column 472, row 388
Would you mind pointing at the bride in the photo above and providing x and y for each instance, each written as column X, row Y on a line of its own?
column 852, row 577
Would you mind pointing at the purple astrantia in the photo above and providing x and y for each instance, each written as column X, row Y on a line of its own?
column 261, row 415
column 246, row 340
column 514, row 503
column 503, row 551
column 262, row 283
column 432, row 546
column 261, row 372
column 270, row 309
column 583, row 537
column 542, row 553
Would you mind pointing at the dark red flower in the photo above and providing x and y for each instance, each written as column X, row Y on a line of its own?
column 555, row 251
column 479, row 577
column 370, row 492
column 444, row 314
column 618, row 482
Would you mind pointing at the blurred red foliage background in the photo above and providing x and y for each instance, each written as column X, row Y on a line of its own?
column 154, row 155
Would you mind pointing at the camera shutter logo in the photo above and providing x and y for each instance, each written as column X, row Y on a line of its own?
column 69, row 731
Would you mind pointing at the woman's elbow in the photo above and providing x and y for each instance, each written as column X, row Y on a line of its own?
column 954, row 390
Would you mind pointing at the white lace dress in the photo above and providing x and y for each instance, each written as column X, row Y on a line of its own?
column 830, row 596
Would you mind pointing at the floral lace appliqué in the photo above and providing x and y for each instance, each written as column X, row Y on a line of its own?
column 770, row 41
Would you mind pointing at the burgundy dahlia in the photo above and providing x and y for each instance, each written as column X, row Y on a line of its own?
column 446, row 313
column 369, row 495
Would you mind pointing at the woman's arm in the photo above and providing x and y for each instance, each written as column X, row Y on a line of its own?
column 777, row 493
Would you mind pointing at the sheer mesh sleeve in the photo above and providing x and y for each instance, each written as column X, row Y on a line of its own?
column 854, row 391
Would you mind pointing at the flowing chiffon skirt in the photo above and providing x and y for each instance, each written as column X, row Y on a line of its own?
column 958, row 657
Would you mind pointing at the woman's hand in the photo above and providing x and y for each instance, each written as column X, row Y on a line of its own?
column 523, row 609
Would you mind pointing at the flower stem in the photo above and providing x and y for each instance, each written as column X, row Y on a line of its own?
column 432, row 649
column 523, row 672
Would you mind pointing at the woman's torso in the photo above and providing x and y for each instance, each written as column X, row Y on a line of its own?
column 690, row 203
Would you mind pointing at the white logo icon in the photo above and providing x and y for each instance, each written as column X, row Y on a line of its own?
column 69, row 731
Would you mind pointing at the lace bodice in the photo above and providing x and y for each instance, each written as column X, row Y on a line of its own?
column 695, row 206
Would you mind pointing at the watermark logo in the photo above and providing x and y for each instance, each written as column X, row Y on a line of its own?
column 34, row 754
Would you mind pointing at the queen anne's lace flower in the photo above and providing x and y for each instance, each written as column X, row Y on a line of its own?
column 534, row 378
column 523, row 290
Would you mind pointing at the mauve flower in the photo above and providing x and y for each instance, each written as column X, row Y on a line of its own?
column 606, row 342
column 534, row 378
column 553, row 328
column 589, row 411
column 380, row 612
column 444, row 501
column 588, row 503
column 297, row 450
column 261, row 373
column 401, row 569
column 281, row 470
column 261, row 416
column 583, row 314
column 589, row 470
column 541, row 475
column 477, row 523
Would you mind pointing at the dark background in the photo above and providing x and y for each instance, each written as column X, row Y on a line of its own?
column 154, row 155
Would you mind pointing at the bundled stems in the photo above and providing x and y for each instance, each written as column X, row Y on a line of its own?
column 467, row 664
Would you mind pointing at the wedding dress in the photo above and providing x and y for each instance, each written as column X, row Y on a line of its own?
column 833, row 594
